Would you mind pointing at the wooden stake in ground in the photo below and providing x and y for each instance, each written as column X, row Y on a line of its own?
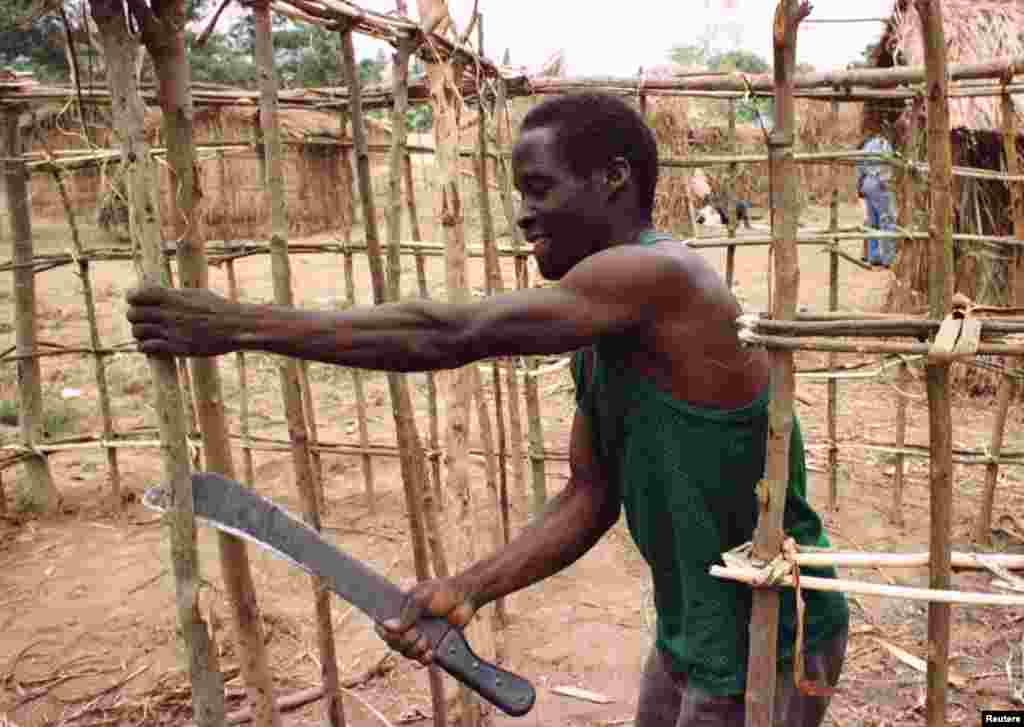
column 288, row 369
column 447, row 104
column 764, row 620
column 413, row 469
column 1010, row 129
column 1007, row 385
column 99, row 363
column 38, row 493
column 502, row 136
column 164, row 37
column 494, row 284
column 120, row 45
column 832, row 411
column 940, row 296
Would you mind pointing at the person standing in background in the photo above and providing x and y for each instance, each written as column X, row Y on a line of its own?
column 874, row 187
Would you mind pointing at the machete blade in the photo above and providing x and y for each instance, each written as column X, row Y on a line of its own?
column 233, row 508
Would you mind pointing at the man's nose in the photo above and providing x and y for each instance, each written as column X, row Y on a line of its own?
column 525, row 218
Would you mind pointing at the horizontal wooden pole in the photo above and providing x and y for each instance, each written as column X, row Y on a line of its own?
column 751, row 576
column 806, row 344
column 963, row 561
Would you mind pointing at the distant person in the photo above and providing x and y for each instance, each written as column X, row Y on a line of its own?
column 873, row 186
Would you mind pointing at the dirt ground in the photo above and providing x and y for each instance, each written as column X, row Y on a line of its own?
column 87, row 624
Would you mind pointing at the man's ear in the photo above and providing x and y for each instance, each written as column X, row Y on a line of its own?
column 617, row 175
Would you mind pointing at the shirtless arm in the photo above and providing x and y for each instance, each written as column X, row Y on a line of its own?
column 612, row 291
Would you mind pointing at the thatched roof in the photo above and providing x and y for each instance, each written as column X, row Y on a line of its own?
column 976, row 31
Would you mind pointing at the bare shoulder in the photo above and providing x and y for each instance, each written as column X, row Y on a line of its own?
column 639, row 272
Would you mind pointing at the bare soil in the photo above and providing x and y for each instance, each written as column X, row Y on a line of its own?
column 87, row 624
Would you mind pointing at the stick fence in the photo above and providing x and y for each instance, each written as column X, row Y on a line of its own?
column 867, row 334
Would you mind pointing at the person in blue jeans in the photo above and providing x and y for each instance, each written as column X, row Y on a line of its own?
column 873, row 186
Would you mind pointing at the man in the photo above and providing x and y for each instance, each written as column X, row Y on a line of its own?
column 873, row 180
column 671, row 420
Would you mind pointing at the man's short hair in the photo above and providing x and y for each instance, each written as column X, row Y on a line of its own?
column 591, row 129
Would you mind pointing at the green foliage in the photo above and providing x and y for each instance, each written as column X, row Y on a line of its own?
column 420, row 118
column 743, row 61
column 692, row 54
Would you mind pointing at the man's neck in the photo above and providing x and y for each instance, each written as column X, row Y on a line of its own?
column 628, row 232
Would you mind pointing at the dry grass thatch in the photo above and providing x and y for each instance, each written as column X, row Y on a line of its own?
column 233, row 202
column 976, row 31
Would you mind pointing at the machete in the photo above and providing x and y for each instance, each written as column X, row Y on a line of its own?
column 233, row 508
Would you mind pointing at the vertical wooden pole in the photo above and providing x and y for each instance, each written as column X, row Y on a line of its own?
column 940, row 295
column 1007, row 385
column 762, row 664
column 309, row 412
column 731, row 198
column 413, row 470
column 903, row 381
column 1013, row 166
column 119, row 46
column 432, row 494
column 288, row 369
column 493, row 284
column 515, row 422
column 447, row 105
column 832, row 411
column 39, row 492
column 99, row 362
column 243, row 388
column 172, row 71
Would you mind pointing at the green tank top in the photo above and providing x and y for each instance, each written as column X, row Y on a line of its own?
column 688, row 476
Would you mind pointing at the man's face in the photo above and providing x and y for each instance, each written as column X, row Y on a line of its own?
column 566, row 217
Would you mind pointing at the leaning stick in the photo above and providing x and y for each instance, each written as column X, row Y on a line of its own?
column 961, row 561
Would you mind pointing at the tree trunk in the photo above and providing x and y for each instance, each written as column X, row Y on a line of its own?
column 38, row 493
column 172, row 70
column 139, row 172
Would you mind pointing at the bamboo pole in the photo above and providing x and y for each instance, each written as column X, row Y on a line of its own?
column 762, row 664
column 832, row 410
column 413, row 471
column 119, row 45
column 432, row 494
column 99, row 365
column 783, row 343
column 288, row 369
column 500, row 534
column 938, row 374
column 172, row 72
column 731, row 199
column 39, row 492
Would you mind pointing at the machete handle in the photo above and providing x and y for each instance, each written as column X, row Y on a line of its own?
column 509, row 692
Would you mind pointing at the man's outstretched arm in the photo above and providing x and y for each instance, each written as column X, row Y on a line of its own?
column 613, row 291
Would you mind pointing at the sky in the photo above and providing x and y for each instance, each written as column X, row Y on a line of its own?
column 615, row 38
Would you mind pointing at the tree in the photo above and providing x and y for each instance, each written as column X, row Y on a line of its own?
column 738, row 60
column 692, row 54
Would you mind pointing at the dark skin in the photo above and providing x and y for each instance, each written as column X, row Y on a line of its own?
column 672, row 307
